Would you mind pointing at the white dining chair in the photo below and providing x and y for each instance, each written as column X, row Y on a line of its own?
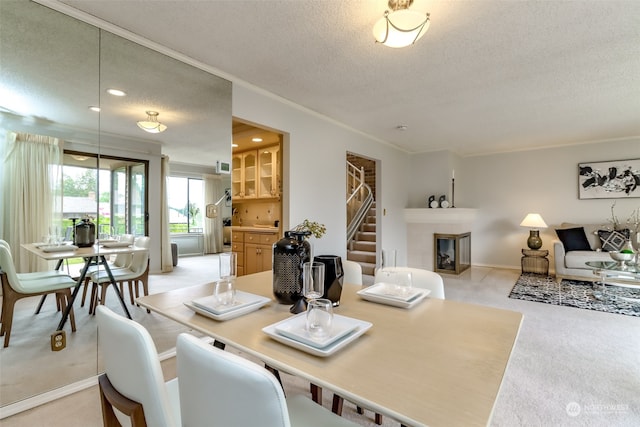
column 352, row 272
column 132, row 370
column 137, row 271
column 420, row 278
column 221, row 388
column 120, row 261
column 14, row 288
column 35, row 274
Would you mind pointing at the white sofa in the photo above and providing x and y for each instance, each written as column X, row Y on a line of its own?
column 572, row 264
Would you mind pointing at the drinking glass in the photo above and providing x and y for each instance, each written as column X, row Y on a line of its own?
column 313, row 280
column 319, row 318
column 225, row 292
column 402, row 283
column 228, row 265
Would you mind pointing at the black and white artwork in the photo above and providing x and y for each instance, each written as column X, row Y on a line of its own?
column 609, row 180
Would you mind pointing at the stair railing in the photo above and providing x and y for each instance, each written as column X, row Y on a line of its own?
column 359, row 200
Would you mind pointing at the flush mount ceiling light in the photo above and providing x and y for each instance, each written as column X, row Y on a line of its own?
column 116, row 92
column 401, row 27
column 152, row 125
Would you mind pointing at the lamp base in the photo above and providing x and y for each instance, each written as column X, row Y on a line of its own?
column 534, row 241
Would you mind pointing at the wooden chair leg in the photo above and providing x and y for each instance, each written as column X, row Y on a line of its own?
column 94, row 298
column 84, row 292
column 316, row 393
column 7, row 315
column 378, row 419
column 103, row 293
column 337, row 404
column 65, row 300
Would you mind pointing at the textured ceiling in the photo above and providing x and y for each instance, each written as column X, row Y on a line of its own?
column 488, row 75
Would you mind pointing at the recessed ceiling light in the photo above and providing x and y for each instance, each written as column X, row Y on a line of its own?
column 94, row 108
column 116, row 92
column 256, row 139
column 234, row 145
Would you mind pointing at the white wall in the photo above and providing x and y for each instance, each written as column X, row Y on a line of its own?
column 316, row 162
column 507, row 186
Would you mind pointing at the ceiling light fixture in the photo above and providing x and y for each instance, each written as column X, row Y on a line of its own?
column 152, row 125
column 401, row 27
column 116, row 92
column 256, row 139
column 94, row 108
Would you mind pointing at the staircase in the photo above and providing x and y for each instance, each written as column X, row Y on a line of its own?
column 363, row 247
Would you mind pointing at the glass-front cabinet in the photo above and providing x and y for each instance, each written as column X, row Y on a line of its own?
column 268, row 170
column 244, row 170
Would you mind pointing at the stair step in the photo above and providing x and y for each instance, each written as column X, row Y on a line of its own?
column 361, row 256
column 370, row 219
column 366, row 246
column 368, row 269
column 366, row 236
column 368, row 227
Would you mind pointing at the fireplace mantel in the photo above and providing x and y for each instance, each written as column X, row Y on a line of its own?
column 439, row 215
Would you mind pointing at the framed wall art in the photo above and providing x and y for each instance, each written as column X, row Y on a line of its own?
column 614, row 179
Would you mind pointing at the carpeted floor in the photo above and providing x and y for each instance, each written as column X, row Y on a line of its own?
column 579, row 294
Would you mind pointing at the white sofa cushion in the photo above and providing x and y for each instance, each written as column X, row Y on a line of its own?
column 578, row 259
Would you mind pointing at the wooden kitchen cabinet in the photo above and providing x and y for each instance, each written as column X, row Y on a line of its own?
column 244, row 175
column 269, row 172
column 237, row 245
column 258, row 250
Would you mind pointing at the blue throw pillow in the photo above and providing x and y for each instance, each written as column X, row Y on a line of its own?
column 574, row 239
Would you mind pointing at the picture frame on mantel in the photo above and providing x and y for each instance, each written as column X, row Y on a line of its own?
column 614, row 179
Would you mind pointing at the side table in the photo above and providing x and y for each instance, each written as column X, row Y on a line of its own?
column 535, row 261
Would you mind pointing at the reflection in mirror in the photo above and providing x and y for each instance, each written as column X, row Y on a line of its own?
column 47, row 84
column 53, row 69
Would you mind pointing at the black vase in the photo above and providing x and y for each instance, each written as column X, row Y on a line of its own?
column 333, row 277
column 289, row 254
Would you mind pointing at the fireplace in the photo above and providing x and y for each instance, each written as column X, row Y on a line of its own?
column 452, row 253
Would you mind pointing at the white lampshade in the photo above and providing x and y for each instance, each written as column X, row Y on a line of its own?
column 152, row 125
column 533, row 220
column 401, row 28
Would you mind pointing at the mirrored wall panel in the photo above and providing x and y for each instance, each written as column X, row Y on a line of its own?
column 59, row 95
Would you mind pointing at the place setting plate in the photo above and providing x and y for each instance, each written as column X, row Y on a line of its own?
column 292, row 331
column 386, row 293
column 58, row 248
column 245, row 302
column 115, row 244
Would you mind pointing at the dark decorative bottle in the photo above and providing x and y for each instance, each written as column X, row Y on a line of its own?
column 289, row 254
column 333, row 276
column 85, row 235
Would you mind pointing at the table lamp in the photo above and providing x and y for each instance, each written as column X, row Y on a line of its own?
column 534, row 221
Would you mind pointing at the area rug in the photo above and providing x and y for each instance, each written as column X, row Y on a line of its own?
column 576, row 293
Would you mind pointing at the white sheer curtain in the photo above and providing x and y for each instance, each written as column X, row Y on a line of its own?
column 213, row 191
column 165, row 241
column 31, row 193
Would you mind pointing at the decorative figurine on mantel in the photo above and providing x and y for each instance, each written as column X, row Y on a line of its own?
column 431, row 203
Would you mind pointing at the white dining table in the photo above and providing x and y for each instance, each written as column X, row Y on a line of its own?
column 96, row 254
column 439, row 363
